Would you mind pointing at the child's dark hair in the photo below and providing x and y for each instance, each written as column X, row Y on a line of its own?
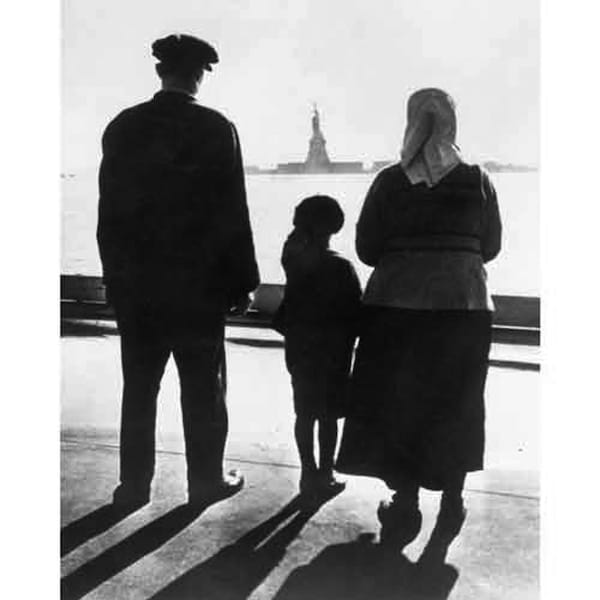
column 319, row 214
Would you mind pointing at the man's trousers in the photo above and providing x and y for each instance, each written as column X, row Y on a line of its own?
column 149, row 335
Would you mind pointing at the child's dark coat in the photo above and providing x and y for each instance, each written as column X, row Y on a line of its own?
column 318, row 317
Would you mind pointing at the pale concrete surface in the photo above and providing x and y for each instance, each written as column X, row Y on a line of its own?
column 162, row 550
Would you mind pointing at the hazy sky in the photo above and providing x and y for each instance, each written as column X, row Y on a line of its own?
column 357, row 60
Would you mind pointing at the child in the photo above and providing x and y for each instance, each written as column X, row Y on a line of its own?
column 318, row 318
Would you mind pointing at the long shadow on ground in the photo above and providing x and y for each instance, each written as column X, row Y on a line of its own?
column 234, row 572
column 364, row 570
column 128, row 551
column 360, row 570
column 91, row 525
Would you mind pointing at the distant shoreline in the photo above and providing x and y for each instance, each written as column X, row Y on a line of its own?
column 495, row 167
column 490, row 165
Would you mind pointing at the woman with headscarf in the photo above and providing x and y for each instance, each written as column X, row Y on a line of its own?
column 427, row 226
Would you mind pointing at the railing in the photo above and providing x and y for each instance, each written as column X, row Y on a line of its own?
column 516, row 318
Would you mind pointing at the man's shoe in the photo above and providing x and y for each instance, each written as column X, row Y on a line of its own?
column 213, row 491
column 127, row 496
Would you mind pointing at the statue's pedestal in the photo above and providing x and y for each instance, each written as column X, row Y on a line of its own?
column 317, row 160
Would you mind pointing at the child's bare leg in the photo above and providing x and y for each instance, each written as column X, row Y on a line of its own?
column 304, row 433
column 328, row 431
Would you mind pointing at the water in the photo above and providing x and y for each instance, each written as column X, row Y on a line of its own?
column 271, row 200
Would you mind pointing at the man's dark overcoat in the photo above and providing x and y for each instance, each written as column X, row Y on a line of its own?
column 173, row 219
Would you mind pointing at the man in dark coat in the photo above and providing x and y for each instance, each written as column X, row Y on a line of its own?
column 177, row 254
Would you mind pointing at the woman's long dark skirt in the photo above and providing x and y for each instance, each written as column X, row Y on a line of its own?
column 417, row 407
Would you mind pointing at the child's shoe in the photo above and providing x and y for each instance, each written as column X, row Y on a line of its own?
column 329, row 485
column 308, row 481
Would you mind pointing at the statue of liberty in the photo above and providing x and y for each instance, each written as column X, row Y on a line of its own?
column 317, row 160
column 316, row 122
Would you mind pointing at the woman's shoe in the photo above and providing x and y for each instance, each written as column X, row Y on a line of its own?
column 448, row 524
column 450, row 519
column 399, row 525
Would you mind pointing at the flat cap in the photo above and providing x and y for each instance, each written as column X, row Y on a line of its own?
column 180, row 49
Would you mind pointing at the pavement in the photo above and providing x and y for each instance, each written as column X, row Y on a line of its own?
column 262, row 543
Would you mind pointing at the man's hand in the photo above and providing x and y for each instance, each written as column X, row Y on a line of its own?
column 240, row 305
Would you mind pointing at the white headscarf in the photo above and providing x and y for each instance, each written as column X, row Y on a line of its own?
column 429, row 151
